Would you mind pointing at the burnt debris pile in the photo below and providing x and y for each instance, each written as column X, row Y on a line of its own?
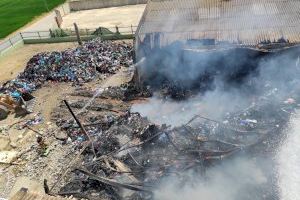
column 97, row 110
column 126, row 156
column 130, row 155
column 77, row 65
column 180, row 71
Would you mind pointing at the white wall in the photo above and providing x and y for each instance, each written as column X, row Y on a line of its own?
column 94, row 4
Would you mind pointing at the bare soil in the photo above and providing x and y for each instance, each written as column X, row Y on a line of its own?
column 123, row 16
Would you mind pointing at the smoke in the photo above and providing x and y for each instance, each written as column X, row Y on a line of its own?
column 214, row 104
column 224, row 82
column 288, row 159
column 236, row 179
column 215, row 82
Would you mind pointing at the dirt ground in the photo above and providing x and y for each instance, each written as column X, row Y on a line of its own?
column 30, row 169
column 15, row 61
column 123, row 16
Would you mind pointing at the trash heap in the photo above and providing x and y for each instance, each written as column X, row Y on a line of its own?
column 78, row 65
column 130, row 155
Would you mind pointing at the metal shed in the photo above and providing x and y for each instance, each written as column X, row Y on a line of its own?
column 246, row 22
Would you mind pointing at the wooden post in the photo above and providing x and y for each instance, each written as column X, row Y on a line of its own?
column 131, row 29
column 63, row 9
column 10, row 42
column 81, row 126
column 77, row 34
column 117, row 30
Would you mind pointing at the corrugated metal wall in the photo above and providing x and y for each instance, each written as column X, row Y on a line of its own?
column 239, row 21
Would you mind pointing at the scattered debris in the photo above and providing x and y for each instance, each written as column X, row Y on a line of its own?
column 20, row 105
column 134, row 154
column 37, row 119
column 42, row 146
column 78, row 65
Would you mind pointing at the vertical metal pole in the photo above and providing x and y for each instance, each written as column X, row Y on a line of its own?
column 77, row 34
column 39, row 35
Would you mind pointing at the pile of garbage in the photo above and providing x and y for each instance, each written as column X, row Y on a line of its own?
column 78, row 65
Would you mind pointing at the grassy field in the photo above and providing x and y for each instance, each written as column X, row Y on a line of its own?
column 16, row 13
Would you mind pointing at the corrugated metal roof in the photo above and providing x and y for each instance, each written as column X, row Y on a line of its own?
column 245, row 21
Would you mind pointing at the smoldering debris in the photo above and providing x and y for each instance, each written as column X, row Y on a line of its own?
column 137, row 159
column 228, row 155
column 125, row 92
column 179, row 72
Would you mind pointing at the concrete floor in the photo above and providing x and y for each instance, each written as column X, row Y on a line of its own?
column 123, row 16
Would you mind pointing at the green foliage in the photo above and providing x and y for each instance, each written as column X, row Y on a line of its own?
column 102, row 31
column 58, row 33
column 14, row 14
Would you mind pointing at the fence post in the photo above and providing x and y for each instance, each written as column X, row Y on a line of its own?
column 77, row 34
column 63, row 9
column 51, row 33
column 39, row 35
column 10, row 42
column 21, row 35
column 117, row 30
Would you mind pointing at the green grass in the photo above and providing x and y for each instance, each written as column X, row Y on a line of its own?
column 14, row 14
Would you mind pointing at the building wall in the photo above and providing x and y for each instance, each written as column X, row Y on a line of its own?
column 95, row 4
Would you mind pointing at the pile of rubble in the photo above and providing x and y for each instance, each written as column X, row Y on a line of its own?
column 72, row 65
column 127, row 155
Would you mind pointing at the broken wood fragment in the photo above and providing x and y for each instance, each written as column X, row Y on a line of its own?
column 81, row 126
column 112, row 182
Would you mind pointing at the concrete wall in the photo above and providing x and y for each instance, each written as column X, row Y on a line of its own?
column 95, row 4
column 64, row 9
column 74, row 39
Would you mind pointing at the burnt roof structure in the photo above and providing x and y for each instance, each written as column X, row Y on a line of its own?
column 247, row 22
